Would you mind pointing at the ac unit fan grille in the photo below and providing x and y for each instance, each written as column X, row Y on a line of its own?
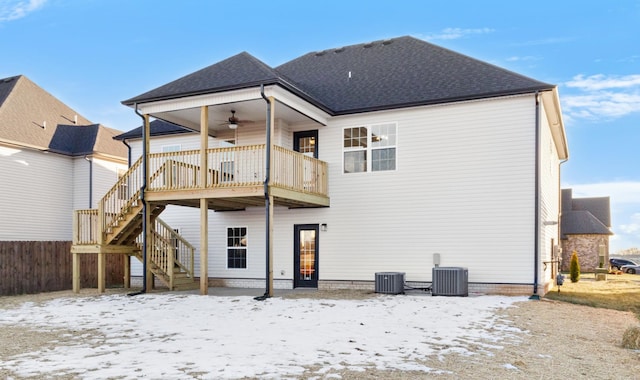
column 390, row 282
column 450, row 281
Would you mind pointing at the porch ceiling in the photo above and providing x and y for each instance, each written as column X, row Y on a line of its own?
column 248, row 104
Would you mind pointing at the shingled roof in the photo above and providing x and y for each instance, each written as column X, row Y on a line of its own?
column 240, row 71
column 156, row 128
column 386, row 74
column 585, row 216
column 31, row 117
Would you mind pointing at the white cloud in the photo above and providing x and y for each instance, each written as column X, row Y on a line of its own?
column 602, row 97
column 620, row 192
column 455, row 33
column 633, row 227
column 524, row 58
column 13, row 10
column 603, row 82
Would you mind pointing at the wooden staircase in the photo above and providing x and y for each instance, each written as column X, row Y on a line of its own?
column 116, row 227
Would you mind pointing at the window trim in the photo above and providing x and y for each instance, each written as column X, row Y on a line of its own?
column 369, row 148
column 246, row 248
column 168, row 148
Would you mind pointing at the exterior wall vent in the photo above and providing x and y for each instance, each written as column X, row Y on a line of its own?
column 390, row 282
column 450, row 281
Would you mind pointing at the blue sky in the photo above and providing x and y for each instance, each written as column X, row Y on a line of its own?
column 92, row 54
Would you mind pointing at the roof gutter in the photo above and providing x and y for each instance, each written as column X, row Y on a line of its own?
column 144, row 205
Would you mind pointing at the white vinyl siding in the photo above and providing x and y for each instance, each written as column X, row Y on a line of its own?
column 549, row 172
column 464, row 187
column 37, row 195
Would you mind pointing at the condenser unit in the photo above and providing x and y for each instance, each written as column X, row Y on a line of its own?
column 390, row 282
column 450, row 281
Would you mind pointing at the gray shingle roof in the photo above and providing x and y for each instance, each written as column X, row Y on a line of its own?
column 399, row 72
column 30, row 116
column 599, row 207
column 585, row 215
column 157, row 128
column 582, row 223
column 240, row 71
column 394, row 73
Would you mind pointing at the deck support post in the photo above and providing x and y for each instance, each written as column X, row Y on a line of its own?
column 102, row 272
column 76, row 273
column 204, row 207
column 127, row 271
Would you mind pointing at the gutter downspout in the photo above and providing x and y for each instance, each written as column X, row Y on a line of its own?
column 86, row 157
column 124, row 141
column 536, row 233
column 559, row 260
column 144, row 205
column 266, row 195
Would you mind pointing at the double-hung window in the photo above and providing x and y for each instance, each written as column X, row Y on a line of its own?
column 369, row 148
column 237, row 247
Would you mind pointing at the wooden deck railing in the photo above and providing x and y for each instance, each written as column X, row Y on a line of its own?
column 237, row 167
column 227, row 167
column 296, row 171
column 123, row 195
column 85, row 226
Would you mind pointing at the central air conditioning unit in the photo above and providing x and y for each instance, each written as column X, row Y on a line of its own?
column 390, row 282
column 450, row 281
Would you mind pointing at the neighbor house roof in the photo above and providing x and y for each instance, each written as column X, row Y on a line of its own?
column 31, row 117
column 386, row 74
column 585, row 216
column 157, row 128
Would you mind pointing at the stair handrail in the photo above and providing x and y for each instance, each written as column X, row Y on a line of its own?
column 125, row 193
column 184, row 255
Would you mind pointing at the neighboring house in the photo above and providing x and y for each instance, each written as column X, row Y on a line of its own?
column 53, row 161
column 344, row 163
column 585, row 228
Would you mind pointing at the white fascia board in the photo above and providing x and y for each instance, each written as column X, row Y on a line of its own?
column 300, row 105
column 199, row 101
column 235, row 96
column 551, row 102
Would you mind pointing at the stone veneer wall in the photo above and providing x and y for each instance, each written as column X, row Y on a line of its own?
column 587, row 247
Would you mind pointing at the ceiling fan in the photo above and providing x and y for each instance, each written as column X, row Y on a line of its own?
column 232, row 122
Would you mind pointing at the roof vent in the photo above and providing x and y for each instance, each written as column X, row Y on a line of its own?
column 339, row 50
column 320, row 53
column 368, row 45
column 44, row 124
column 387, row 42
column 75, row 119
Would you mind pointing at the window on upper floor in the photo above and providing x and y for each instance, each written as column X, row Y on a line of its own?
column 369, row 148
column 171, row 148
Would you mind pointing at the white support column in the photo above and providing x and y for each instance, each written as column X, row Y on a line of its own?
column 204, row 208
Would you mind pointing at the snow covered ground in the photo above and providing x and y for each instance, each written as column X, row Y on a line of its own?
column 170, row 335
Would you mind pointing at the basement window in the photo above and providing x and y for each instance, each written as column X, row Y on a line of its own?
column 237, row 248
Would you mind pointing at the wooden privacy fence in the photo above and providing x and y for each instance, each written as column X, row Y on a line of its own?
column 46, row 266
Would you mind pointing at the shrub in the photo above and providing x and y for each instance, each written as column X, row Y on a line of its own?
column 631, row 338
column 574, row 267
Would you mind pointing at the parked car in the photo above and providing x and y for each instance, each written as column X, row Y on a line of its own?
column 619, row 263
column 632, row 269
